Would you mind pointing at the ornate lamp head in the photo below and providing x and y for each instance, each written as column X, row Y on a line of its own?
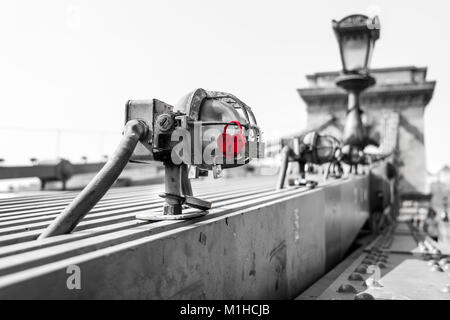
column 356, row 35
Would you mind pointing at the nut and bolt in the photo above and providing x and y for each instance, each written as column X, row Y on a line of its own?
column 165, row 122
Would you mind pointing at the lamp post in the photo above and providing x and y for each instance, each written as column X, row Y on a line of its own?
column 445, row 217
column 356, row 35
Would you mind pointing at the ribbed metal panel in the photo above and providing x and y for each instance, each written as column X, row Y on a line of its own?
column 111, row 228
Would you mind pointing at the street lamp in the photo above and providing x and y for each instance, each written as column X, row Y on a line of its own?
column 356, row 35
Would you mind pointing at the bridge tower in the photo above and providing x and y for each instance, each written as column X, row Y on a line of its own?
column 393, row 116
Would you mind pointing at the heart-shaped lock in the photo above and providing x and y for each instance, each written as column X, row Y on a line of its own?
column 231, row 145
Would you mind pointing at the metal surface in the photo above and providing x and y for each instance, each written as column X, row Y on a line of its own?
column 285, row 154
column 354, row 134
column 100, row 184
column 167, row 124
column 220, row 255
column 354, row 81
column 178, row 193
column 309, row 148
column 355, row 138
column 357, row 27
column 400, row 264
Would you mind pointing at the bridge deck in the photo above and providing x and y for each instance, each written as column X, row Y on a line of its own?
column 411, row 267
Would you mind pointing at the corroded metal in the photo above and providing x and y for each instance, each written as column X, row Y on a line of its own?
column 355, row 277
column 355, row 81
column 405, row 275
column 361, row 28
column 116, row 252
column 309, row 148
column 347, row 288
column 181, row 135
column 65, row 222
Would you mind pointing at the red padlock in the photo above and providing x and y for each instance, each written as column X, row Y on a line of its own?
column 231, row 145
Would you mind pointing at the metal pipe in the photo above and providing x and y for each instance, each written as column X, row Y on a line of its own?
column 353, row 129
column 285, row 152
column 172, row 181
column 68, row 219
column 186, row 187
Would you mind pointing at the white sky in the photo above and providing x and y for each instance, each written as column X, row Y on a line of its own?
column 72, row 65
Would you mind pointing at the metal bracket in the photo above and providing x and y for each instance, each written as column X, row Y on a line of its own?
column 297, row 182
column 190, row 201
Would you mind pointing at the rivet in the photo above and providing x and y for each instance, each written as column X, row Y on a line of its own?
column 446, row 288
column 364, row 296
column 432, row 263
column 444, row 261
column 347, row 288
column 361, row 269
column 436, row 268
column 355, row 277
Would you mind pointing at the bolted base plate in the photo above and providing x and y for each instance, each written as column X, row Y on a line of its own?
column 159, row 217
column 297, row 182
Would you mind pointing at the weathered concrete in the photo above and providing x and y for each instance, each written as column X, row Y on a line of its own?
column 270, row 245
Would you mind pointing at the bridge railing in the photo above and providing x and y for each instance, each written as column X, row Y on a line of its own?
column 255, row 243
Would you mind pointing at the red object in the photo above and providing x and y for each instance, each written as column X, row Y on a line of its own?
column 231, row 145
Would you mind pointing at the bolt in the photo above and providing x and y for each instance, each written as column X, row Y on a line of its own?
column 361, row 269
column 355, row 277
column 436, row 268
column 444, row 261
column 172, row 209
column 364, row 296
column 347, row 288
column 446, row 288
column 165, row 122
column 432, row 263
